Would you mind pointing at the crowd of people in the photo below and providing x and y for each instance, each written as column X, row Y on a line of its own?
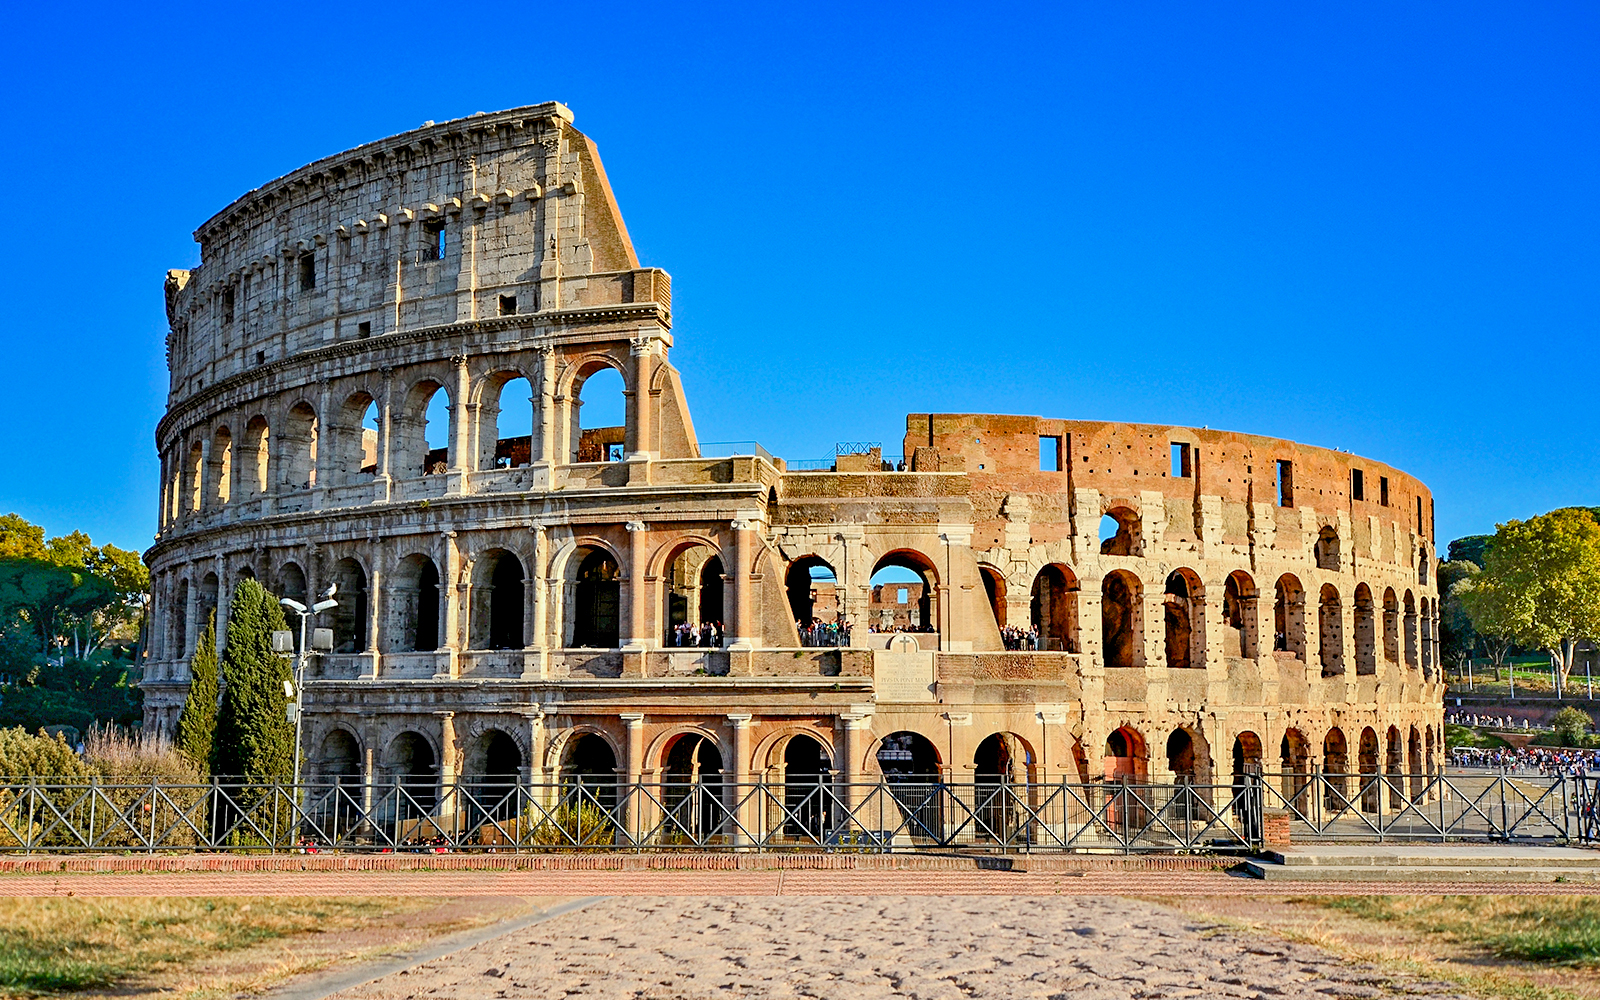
column 1492, row 721
column 1547, row 762
column 820, row 633
column 879, row 628
column 1016, row 638
column 706, row 634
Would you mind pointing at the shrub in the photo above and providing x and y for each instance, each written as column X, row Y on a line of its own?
column 570, row 826
column 1571, row 725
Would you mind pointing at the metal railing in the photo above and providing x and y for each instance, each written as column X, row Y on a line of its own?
column 809, row 812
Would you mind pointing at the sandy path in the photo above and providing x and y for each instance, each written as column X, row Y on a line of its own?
column 854, row 948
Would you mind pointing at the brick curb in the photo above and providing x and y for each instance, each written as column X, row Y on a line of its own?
column 604, row 862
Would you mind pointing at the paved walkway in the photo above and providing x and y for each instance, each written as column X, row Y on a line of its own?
column 722, row 883
column 855, row 948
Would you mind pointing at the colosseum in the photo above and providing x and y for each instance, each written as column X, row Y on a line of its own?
column 383, row 372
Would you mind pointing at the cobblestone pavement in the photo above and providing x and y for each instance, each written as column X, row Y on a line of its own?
column 856, row 948
column 729, row 883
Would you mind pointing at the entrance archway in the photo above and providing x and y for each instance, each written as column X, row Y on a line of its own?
column 805, row 766
column 1053, row 608
column 910, row 766
column 1002, row 761
column 491, row 770
column 596, row 605
column 691, row 789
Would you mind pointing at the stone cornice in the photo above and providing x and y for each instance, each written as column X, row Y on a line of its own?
column 273, row 370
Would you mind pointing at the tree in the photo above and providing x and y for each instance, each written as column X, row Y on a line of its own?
column 26, row 755
column 253, row 736
column 21, row 539
column 1544, row 574
column 49, row 601
column 1470, row 549
column 1457, row 638
column 197, row 726
column 1490, row 607
column 1571, row 726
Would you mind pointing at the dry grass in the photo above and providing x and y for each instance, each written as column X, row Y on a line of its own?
column 58, row 945
column 1514, row 947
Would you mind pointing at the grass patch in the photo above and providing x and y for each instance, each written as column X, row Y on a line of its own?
column 56, row 945
column 1466, row 736
column 1562, row 930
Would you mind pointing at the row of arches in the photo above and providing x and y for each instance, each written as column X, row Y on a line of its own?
column 301, row 448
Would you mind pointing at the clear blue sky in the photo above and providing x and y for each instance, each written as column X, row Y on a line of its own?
column 1366, row 226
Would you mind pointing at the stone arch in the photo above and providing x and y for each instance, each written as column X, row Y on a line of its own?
column 769, row 752
column 292, row 581
column 1366, row 626
column 411, row 760
column 907, row 755
column 415, row 603
column 693, row 767
column 1183, row 613
column 1330, row 631
column 812, row 586
column 1189, row 756
column 206, row 600
column 1326, row 549
column 1289, row 616
column 298, row 448
column 1410, row 627
column 1422, row 564
column 1053, row 607
column 491, row 769
column 592, row 609
column 1367, row 763
column 254, row 451
column 338, row 758
column 1414, row 764
column 1394, row 766
column 588, row 757
column 1391, row 626
column 804, row 769
column 412, row 436
column 1123, row 537
column 350, row 618
column 1335, row 767
column 922, row 610
column 994, row 590
column 1001, row 759
column 499, row 413
column 588, row 441
column 1239, row 615
column 194, row 478
column 497, row 601
column 354, row 445
column 1295, row 758
column 1122, row 619
column 220, row 468
column 1247, row 756
column 692, row 587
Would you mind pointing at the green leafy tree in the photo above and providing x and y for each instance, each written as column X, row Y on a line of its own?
column 24, row 754
column 253, row 735
column 21, row 539
column 1470, row 549
column 1457, row 638
column 1492, row 611
column 49, row 601
column 1545, row 575
column 1571, row 726
column 197, row 726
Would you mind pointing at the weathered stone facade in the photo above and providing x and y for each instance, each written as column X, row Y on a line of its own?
column 504, row 603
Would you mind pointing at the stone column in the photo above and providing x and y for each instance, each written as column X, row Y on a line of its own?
column 224, row 602
column 633, row 813
column 452, row 591
column 641, row 430
column 855, row 725
column 536, row 594
column 385, row 447
column 544, row 444
column 461, row 437
column 447, row 766
column 191, row 618
column 739, row 628
column 377, row 598
column 739, row 793
column 637, row 635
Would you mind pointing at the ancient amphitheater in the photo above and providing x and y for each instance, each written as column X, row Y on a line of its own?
column 378, row 375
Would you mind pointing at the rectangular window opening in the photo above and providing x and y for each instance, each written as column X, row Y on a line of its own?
column 308, row 271
column 508, row 305
column 261, row 357
column 364, row 328
column 1049, row 453
column 1358, row 488
column 227, row 305
column 1419, row 515
column 904, row 596
column 433, row 236
column 1285, row 483
column 1383, row 491
column 1182, row 461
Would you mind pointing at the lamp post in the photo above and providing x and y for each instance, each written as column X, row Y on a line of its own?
column 326, row 604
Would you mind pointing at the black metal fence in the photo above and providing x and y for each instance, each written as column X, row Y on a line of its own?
column 503, row 814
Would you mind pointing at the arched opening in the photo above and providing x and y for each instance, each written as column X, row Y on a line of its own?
column 1239, row 615
column 1411, row 630
column 1425, row 623
column 904, row 594
column 338, row 763
column 355, row 440
column 292, row 582
column 299, row 462
column 1294, row 755
column 1120, row 620
column 1053, row 608
column 1182, row 606
column 1188, row 757
column 497, row 601
column 589, row 770
column 1289, row 617
column 254, row 450
column 813, row 592
column 350, row 617
column 691, row 788
column 599, row 417
column 1414, row 763
column 994, row 589
column 339, row 758
column 805, row 766
column 1002, row 760
column 221, row 472
column 1119, row 532
column 1391, row 626
column 1326, row 549
column 1335, row 766
column 1126, row 761
column 491, row 769
column 206, row 603
column 1422, row 565
column 693, row 592
column 410, row 763
column 505, row 422
column 1330, row 631
column 436, row 436
column 1367, row 761
column 1394, row 768
column 596, row 602
column 1246, row 761
column 910, row 766
column 415, row 590
column 194, row 476
column 1366, row 624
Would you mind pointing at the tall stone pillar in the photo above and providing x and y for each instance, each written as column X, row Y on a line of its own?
column 637, row 635
column 449, row 767
column 461, row 459
column 452, row 587
column 855, row 727
column 377, row 599
column 739, row 797
column 633, row 812
column 641, row 427
column 536, row 612
column 741, row 629
column 546, row 420
column 385, row 445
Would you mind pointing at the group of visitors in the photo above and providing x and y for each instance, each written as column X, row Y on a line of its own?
column 880, row 628
column 1492, row 721
column 1020, row 638
column 1547, row 762
column 820, row 633
column 706, row 634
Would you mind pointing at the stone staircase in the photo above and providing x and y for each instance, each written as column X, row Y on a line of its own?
column 1500, row 863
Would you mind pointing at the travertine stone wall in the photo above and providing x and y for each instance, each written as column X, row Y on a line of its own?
column 502, row 601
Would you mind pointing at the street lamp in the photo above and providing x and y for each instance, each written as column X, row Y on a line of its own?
column 327, row 603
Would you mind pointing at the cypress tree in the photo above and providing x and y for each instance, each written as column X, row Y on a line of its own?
column 254, row 737
column 197, row 726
